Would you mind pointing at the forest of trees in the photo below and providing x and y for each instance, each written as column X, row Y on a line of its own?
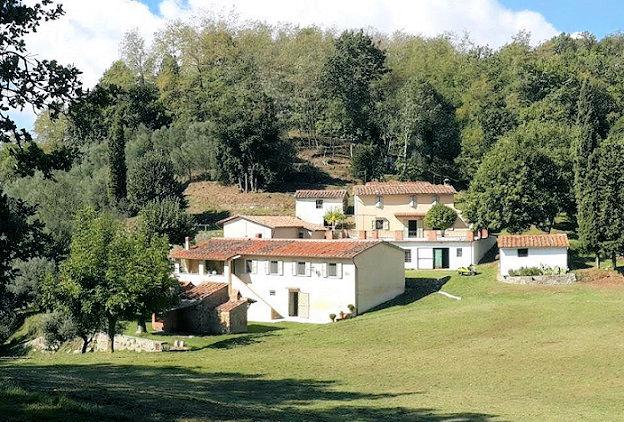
column 527, row 133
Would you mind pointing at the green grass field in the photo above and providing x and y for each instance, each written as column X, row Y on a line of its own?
column 501, row 353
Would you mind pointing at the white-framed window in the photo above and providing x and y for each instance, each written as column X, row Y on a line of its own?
column 249, row 266
column 274, row 267
column 319, row 204
column 301, row 268
column 408, row 255
column 332, row 269
column 460, row 252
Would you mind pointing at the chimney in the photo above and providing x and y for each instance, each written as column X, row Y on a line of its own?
column 187, row 243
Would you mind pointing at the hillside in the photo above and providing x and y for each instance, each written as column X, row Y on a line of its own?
column 315, row 170
column 503, row 352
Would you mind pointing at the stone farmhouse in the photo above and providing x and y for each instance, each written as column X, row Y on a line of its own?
column 295, row 279
column 544, row 250
column 394, row 211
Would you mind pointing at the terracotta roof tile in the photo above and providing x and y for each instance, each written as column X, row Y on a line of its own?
column 534, row 241
column 221, row 249
column 203, row 290
column 321, row 193
column 402, row 188
column 231, row 305
column 276, row 221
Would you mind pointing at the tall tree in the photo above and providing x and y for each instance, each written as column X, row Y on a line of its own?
column 592, row 121
column 351, row 75
column 428, row 136
column 117, row 161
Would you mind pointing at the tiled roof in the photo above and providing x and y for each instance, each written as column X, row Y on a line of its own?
column 231, row 305
column 321, row 194
column 402, row 188
column 534, row 241
column 276, row 221
column 221, row 249
column 203, row 291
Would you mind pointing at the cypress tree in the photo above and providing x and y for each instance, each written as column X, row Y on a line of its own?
column 117, row 161
column 584, row 172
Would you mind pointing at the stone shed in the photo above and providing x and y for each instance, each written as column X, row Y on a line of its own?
column 205, row 309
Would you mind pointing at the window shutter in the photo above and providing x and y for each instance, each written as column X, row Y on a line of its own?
column 280, row 267
column 386, row 225
column 254, row 266
column 339, row 270
column 308, row 270
column 267, row 266
column 373, row 224
column 294, row 267
column 324, row 269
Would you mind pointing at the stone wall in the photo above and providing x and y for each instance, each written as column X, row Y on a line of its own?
column 124, row 342
column 540, row 279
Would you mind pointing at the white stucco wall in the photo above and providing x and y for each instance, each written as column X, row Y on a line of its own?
column 326, row 294
column 422, row 252
column 380, row 276
column 306, row 210
column 550, row 257
column 243, row 228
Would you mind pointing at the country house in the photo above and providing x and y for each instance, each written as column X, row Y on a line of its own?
column 533, row 251
column 296, row 279
column 394, row 211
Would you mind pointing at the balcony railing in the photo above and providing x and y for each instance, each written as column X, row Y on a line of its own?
column 418, row 233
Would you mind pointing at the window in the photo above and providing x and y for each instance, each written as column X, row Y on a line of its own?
column 379, row 201
column 271, row 292
column 408, row 255
column 413, row 202
column 301, row 268
column 248, row 266
column 523, row 253
column 434, row 199
column 460, row 252
column 332, row 269
column 379, row 224
column 300, row 234
column 273, row 267
column 319, row 204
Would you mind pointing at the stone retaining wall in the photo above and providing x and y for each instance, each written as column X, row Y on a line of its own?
column 124, row 342
column 540, row 279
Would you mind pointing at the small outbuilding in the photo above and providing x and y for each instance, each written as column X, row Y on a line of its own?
column 533, row 251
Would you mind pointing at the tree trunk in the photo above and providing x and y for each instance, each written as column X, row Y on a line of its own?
column 141, row 326
column 597, row 261
column 112, row 322
column 85, row 344
column 614, row 261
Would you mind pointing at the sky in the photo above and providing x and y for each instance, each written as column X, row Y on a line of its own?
column 88, row 35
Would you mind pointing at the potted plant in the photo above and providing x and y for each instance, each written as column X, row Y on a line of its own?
column 351, row 309
column 440, row 217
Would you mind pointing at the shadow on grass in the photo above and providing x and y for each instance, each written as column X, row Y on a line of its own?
column 415, row 289
column 148, row 393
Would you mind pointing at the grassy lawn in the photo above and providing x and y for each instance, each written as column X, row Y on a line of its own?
column 503, row 352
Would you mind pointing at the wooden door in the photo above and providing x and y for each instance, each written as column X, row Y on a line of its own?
column 293, row 303
column 304, row 305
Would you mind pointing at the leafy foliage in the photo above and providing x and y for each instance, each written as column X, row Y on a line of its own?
column 440, row 217
column 152, row 178
column 26, row 80
column 167, row 217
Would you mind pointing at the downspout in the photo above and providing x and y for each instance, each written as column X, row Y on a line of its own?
column 355, row 284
